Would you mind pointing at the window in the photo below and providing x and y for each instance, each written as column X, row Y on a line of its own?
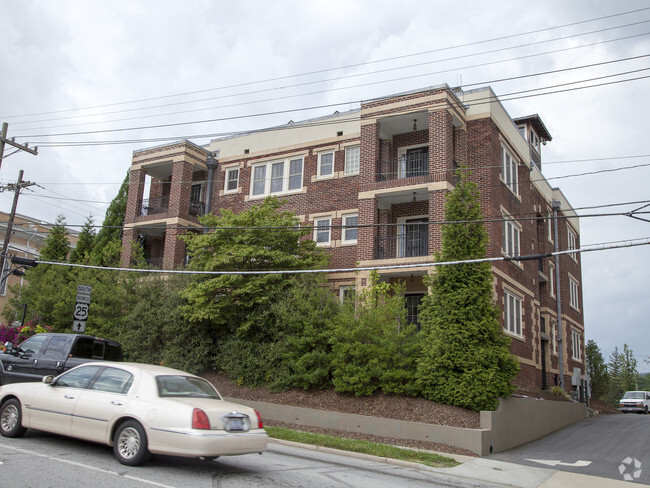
column 5, row 276
column 232, row 180
column 509, row 170
column 350, row 229
column 551, row 279
column 326, row 164
column 550, row 226
column 574, row 293
column 322, row 231
column 534, row 140
column 32, row 345
column 511, row 234
column 413, row 308
column 352, row 158
column 113, row 380
column 285, row 176
column 195, row 193
column 554, row 327
column 79, row 377
column 575, row 345
column 185, row 386
column 346, row 292
column 56, row 347
column 572, row 243
column 512, row 312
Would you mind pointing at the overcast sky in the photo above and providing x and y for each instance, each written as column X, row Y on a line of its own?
column 94, row 68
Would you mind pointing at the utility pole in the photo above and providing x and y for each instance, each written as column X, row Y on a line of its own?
column 558, row 294
column 12, row 142
column 16, row 188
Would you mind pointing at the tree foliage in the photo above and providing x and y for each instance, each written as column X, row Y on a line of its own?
column 85, row 243
column 466, row 358
column 56, row 247
column 597, row 370
column 373, row 346
column 108, row 242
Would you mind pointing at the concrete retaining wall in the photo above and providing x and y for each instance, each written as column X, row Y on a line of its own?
column 515, row 422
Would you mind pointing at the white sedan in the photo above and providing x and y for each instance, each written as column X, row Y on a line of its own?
column 138, row 409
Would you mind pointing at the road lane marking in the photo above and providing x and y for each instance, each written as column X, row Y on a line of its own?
column 548, row 462
column 87, row 466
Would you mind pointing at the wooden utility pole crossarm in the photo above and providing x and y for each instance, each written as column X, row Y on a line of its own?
column 16, row 188
column 11, row 142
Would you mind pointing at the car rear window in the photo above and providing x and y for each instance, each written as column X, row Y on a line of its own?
column 89, row 348
column 185, row 386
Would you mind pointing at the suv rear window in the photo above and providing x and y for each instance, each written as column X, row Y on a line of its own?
column 89, row 348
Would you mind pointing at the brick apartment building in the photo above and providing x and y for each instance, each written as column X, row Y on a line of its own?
column 390, row 163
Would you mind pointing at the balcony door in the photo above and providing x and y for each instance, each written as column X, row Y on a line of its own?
column 413, row 238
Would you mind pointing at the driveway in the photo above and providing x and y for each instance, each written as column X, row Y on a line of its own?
column 608, row 446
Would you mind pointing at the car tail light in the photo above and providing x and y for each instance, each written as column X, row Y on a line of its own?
column 200, row 420
column 260, row 424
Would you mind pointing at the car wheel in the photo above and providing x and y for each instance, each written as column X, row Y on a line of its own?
column 11, row 417
column 130, row 444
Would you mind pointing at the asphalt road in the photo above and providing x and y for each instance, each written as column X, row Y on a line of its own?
column 41, row 460
column 608, row 446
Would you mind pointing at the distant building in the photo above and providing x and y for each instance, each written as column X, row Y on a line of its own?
column 372, row 182
column 27, row 239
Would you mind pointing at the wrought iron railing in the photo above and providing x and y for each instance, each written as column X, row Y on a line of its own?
column 197, row 208
column 411, row 241
column 404, row 167
column 156, row 205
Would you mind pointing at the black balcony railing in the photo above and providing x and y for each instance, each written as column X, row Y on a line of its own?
column 404, row 167
column 412, row 240
column 156, row 205
column 197, row 208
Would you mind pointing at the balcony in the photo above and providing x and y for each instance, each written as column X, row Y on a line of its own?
column 152, row 206
column 412, row 240
column 197, row 208
column 407, row 166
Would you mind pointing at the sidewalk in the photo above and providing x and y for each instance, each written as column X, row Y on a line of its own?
column 486, row 470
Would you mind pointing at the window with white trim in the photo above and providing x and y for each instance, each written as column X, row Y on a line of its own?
column 550, row 226
column 277, row 177
column 232, row 180
column 352, row 159
column 509, row 170
column 511, row 237
column 512, row 313
column 350, row 229
column 534, row 141
column 574, row 293
column 326, row 164
column 346, row 292
column 554, row 327
column 322, row 231
column 572, row 242
column 551, row 279
column 575, row 345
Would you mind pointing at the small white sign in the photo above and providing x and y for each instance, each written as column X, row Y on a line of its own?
column 83, row 293
column 79, row 326
column 81, row 311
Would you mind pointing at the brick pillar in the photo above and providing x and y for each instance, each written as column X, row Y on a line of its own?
column 370, row 153
column 367, row 235
column 437, row 201
column 460, row 149
column 441, row 145
column 180, row 190
column 174, row 257
column 128, row 236
column 134, row 198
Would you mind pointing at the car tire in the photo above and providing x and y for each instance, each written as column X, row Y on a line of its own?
column 11, row 417
column 130, row 444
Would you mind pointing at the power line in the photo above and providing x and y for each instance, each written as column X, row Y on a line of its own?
column 355, row 65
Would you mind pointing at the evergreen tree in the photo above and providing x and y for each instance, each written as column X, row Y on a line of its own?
column 56, row 246
column 81, row 253
column 108, row 243
column 597, row 370
column 465, row 358
column 616, row 367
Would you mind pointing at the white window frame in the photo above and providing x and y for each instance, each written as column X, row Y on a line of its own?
column 284, row 179
column 534, row 141
column 347, row 227
column 551, row 279
column 572, row 242
column 509, row 170
column 575, row 345
column 554, row 326
column 345, row 290
column 550, row 227
column 352, row 160
column 320, row 174
column 227, row 179
column 574, row 293
column 326, row 227
column 511, row 237
column 512, row 313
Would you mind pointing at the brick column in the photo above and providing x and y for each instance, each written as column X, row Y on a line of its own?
column 174, row 257
column 134, row 198
column 441, row 145
column 128, row 236
column 369, row 157
column 180, row 190
column 367, row 235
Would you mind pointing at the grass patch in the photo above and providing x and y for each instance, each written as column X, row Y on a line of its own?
column 365, row 447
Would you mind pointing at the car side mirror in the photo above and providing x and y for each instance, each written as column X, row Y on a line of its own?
column 9, row 347
column 48, row 380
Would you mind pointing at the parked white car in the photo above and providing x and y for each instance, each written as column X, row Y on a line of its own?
column 138, row 409
column 635, row 401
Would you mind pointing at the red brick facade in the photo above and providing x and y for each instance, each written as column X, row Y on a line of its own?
column 409, row 146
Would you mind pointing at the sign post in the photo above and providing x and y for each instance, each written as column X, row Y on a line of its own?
column 81, row 308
